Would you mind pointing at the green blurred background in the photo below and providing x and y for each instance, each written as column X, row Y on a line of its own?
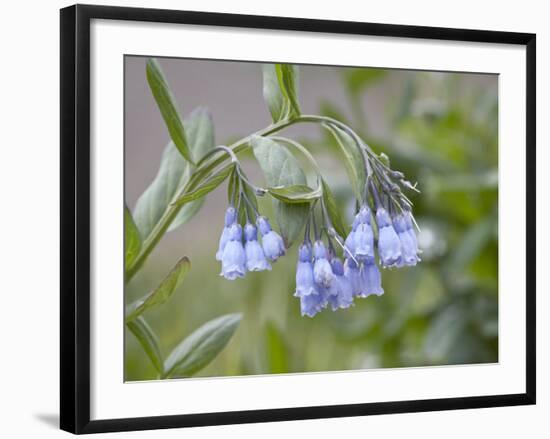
column 440, row 129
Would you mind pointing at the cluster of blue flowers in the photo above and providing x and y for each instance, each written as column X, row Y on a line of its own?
column 383, row 237
column 321, row 277
column 239, row 256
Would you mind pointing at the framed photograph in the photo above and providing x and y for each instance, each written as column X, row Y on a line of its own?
column 268, row 218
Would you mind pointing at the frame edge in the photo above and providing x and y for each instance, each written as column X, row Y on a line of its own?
column 75, row 218
column 67, row 418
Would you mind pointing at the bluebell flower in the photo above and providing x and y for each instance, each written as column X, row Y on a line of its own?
column 349, row 244
column 223, row 241
column 230, row 218
column 341, row 290
column 352, row 272
column 356, row 221
column 322, row 271
column 272, row 243
column 363, row 217
column 233, row 257
column 410, row 230
column 389, row 246
column 364, row 238
column 372, row 281
column 255, row 257
column 305, row 285
column 408, row 247
column 312, row 304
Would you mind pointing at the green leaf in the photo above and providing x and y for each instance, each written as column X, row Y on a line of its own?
column 245, row 208
column 162, row 293
column 200, row 135
column 232, row 186
column 332, row 210
column 280, row 90
column 201, row 347
column 353, row 160
column 298, row 193
column 281, row 168
column 167, row 106
column 207, row 185
column 132, row 240
column 173, row 174
column 148, row 341
column 287, row 75
column 277, row 350
column 154, row 201
column 272, row 94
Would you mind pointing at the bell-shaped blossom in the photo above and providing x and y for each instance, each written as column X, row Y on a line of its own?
column 372, row 281
column 389, row 246
column 364, row 237
column 364, row 215
column 408, row 247
column 311, row 304
column 349, row 244
column 341, row 291
column 407, row 217
column 305, row 285
column 223, row 241
column 353, row 273
column 255, row 257
column 272, row 243
column 234, row 257
column 322, row 271
column 230, row 218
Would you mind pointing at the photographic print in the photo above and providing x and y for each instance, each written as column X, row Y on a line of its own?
column 286, row 218
column 304, row 218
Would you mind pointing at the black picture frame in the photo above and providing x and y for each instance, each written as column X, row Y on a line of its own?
column 75, row 217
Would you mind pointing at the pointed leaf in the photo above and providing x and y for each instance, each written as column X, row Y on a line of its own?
column 273, row 96
column 246, row 211
column 201, row 347
column 332, row 210
column 173, row 174
column 232, row 187
column 280, row 90
column 298, row 193
column 287, row 75
column 353, row 160
column 132, row 240
column 162, row 293
column 206, row 186
column 167, row 106
column 154, row 201
column 281, row 168
column 148, row 341
column 200, row 135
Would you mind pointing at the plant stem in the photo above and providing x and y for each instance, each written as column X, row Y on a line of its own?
column 207, row 166
column 172, row 211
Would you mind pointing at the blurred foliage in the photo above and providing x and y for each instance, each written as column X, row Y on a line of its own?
column 441, row 130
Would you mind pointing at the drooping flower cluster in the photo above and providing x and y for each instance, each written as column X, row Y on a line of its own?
column 322, row 279
column 239, row 255
column 332, row 273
